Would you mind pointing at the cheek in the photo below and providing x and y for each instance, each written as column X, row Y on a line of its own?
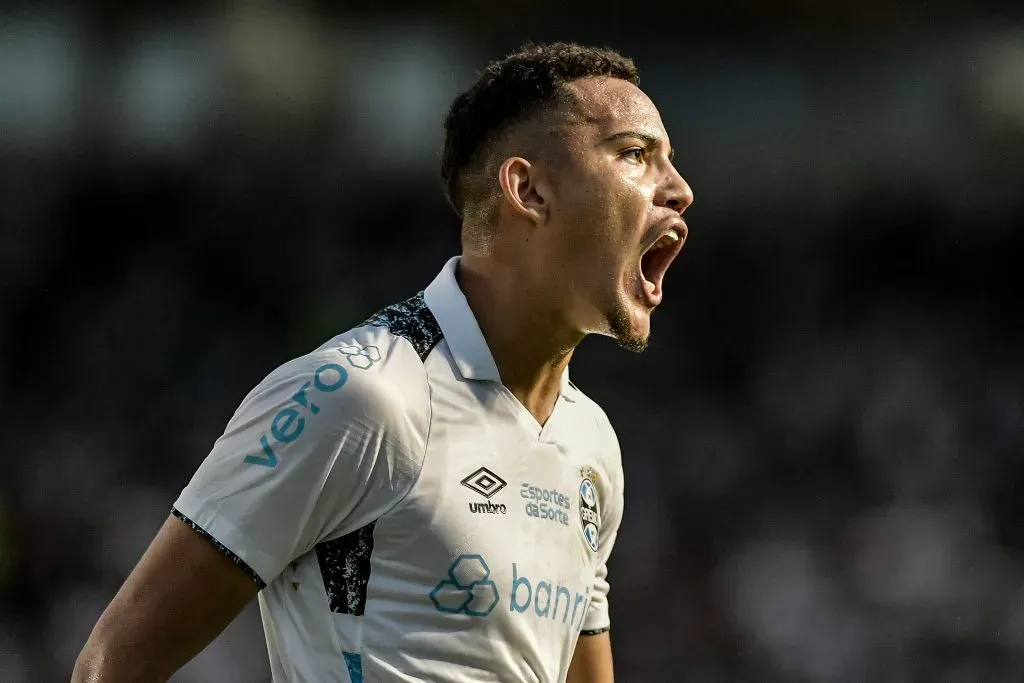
column 637, row 193
column 608, row 215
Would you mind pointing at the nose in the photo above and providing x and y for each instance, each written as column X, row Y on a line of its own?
column 674, row 192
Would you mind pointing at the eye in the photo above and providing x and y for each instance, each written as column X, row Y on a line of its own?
column 635, row 153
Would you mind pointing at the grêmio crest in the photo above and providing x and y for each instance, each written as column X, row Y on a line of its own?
column 590, row 512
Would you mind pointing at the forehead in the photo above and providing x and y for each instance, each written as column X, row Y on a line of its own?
column 604, row 106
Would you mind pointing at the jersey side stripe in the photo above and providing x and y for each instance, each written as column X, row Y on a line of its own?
column 345, row 568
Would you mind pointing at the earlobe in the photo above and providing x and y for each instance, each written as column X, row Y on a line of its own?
column 518, row 180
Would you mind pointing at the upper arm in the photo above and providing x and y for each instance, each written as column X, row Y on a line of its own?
column 180, row 596
column 318, row 450
column 315, row 451
column 592, row 660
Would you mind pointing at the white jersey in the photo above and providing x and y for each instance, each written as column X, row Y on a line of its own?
column 405, row 516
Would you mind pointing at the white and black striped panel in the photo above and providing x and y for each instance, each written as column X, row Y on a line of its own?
column 345, row 568
column 412, row 320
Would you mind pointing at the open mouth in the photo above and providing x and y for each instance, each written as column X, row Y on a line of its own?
column 655, row 261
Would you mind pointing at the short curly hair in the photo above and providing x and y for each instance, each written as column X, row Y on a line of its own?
column 509, row 91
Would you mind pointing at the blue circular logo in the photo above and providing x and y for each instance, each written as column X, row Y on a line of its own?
column 587, row 493
column 589, row 516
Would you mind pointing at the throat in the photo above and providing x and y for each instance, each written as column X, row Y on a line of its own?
column 538, row 399
column 530, row 345
column 535, row 384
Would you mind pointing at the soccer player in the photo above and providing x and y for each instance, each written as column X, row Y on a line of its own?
column 427, row 497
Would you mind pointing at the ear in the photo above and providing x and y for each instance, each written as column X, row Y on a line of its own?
column 524, row 193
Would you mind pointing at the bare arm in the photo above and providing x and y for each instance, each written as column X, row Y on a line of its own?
column 592, row 660
column 180, row 596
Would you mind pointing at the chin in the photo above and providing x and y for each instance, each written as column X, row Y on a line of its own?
column 631, row 329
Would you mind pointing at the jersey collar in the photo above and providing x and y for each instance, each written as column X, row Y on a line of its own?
column 446, row 301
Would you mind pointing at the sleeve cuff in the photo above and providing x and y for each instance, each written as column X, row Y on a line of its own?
column 239, row 562
column 595, row 631
column 227, row 537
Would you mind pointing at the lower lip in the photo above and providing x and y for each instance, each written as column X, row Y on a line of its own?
column 651, row 294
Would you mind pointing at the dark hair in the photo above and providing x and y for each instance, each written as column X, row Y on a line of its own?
column 509, row 91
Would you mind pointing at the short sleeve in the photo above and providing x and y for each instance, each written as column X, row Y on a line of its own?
column 598, row 619
column 315, row 451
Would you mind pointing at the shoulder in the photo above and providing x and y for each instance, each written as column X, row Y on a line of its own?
column 368, row 375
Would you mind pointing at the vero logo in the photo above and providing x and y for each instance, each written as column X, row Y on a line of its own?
column 289, row 422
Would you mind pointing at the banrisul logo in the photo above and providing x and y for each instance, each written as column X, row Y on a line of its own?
column 470, row 589
column 547, row 600
column 289, row 422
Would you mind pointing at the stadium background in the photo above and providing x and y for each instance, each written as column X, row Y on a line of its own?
column 822, row 445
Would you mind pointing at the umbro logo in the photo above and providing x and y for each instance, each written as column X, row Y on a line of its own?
column 485, row 483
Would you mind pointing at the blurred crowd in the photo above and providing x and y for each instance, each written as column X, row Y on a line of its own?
column 822, row 445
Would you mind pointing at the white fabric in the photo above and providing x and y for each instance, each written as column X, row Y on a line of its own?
column 410, row 518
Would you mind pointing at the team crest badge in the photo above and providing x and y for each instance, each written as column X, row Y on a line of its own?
column 590, row 517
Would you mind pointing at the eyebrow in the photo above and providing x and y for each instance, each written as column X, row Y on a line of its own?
column 648, row 139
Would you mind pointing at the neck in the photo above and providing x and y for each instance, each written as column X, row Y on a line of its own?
column 531, row 342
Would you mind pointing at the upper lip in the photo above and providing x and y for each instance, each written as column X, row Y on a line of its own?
column 663, row 261
column 677, row 223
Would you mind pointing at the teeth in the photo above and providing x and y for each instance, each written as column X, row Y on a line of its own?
column 670, row 237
